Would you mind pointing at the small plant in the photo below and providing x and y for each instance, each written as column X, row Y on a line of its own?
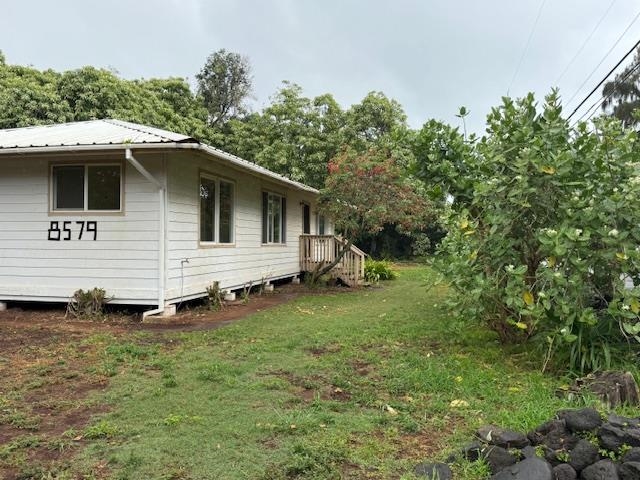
column 563, row 456
column 102, row 429
column 246, row 290
column 88, row 304
column 214, row 297
column 376, row 270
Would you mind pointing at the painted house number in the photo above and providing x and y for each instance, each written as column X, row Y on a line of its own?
column 62, row 230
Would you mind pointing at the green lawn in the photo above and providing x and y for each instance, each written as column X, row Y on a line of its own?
column 340, row 385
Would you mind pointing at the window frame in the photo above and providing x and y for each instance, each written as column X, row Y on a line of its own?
column 216, row 222
column 283, row 218
column 53, row 210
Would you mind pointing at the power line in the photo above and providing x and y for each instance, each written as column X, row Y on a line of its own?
column 526, row 47
column 605, row 78
column 586, row 40
column 603, row 58
column 606, row 97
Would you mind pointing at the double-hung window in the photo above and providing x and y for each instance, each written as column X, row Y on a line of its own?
column 86, row 188
column 274, row 215
column 216, row 210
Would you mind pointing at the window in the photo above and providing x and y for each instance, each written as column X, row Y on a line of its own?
column 306, row 219
column 321, row 225
column 86, row 187
column 216, row 210
column 274, row 214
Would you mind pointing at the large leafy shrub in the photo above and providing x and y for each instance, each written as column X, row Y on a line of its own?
column 376, row 270
column 543, row 228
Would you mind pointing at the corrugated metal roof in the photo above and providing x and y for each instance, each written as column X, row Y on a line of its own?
column 108, row 134
column 92, row 132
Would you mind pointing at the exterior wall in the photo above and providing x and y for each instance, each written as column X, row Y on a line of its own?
column 247, row 260
column 123, row 259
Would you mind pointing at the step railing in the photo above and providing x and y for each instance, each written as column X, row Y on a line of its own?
column 317, row 251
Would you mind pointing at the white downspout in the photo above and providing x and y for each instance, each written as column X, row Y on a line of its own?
column 161, row 231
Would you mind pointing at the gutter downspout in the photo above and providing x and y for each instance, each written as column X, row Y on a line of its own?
column 161, row 231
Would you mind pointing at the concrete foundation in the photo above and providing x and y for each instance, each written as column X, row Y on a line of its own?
column 169, row 311
column 3, row 306
column 229, row 296
column 295, row 280
column 268, row 288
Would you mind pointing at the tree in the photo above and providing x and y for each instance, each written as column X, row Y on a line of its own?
column 295, row 136
column 32, row 97
column 622, row 95
column 366, row 191
column 224, row 84
column 542, row 230
column 373, row 122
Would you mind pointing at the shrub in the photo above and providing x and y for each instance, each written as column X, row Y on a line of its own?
column 89, row 304
column 376, row 270
column 543, row 228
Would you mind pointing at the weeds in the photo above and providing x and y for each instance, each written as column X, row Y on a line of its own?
column 215, row 300
column 88, row 305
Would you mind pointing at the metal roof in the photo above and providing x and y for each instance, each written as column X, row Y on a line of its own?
column 110, row 134
column 92, row 132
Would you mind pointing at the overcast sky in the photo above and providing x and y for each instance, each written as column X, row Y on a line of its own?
column 432, row 56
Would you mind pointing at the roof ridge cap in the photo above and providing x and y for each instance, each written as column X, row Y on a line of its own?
column 130, row 126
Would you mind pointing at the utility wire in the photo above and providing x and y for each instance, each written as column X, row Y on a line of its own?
column 586, row 40
column 604, row 98
column 526, row 47
column 605, row 78
column 603, row 59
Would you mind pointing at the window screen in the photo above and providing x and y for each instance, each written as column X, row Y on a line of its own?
column 103, row 187
column 68, row 187
column 207, row 209
column 226, row 213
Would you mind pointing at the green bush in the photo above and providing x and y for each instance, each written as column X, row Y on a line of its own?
column 376, row 270
column 543, row 228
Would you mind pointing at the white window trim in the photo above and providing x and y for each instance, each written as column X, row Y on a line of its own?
column 216, row 219
column 85, row 209
column 283, row 222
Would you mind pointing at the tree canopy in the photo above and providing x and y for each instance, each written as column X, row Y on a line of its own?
column 622, row 94
column 224, row 84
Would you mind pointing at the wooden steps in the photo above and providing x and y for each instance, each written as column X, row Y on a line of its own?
column 317, row 251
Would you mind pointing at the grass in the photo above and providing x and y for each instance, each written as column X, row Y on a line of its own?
column 340, row 385
column 353, row 385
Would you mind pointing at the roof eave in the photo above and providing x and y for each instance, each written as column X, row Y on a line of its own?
column 237, row 161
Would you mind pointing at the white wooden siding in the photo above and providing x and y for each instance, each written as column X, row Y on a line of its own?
column 247, row 260
column 123, row 260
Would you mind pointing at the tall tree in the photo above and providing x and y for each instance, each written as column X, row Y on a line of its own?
column 622, row 95
column 373, row 121
column 295, row 136
column 224, row 83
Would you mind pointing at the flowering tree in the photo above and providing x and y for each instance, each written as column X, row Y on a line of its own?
column 364, row 192
column 543, row 228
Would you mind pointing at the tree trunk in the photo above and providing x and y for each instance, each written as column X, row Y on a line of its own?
column 321, row 270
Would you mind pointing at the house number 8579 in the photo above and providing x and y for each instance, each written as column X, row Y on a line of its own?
column 62, row 230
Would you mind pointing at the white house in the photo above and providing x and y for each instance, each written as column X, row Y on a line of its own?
column 151, row 216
